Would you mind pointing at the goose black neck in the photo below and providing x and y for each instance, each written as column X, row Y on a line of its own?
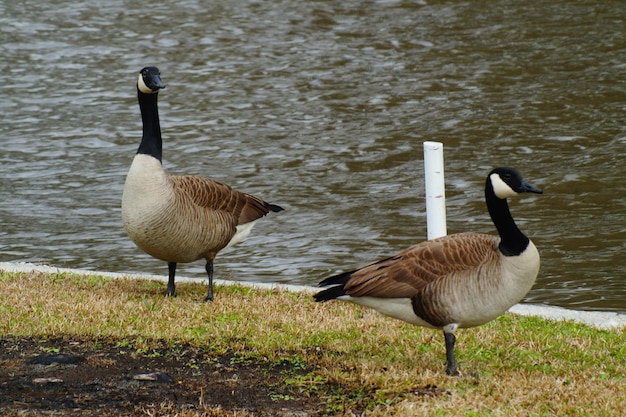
column 151, row 143
column 512, row 241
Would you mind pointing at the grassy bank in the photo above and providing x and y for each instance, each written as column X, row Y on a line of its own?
column 355, row 360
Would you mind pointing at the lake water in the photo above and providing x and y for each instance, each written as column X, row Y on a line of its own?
column 321, row 107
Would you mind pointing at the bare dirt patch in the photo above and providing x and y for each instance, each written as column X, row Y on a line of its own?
column 68, row 376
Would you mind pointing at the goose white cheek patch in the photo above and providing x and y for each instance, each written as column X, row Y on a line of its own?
column 501, row 188
column 142, row 86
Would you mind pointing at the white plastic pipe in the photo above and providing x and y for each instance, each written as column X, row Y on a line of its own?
column 435, row 190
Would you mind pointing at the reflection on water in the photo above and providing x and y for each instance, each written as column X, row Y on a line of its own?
column 321, row 107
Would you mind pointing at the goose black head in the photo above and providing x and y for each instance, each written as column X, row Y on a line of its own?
column 508, row 182
column 149, row 81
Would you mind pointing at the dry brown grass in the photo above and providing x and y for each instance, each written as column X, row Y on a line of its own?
column 361, row 362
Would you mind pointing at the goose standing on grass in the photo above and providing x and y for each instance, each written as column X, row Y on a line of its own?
column 456, row 281
column 180, row 218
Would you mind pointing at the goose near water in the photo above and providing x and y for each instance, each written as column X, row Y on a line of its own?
column 456, row 281
column 180, row 218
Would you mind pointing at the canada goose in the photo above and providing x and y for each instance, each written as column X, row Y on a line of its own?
column 456, row 281
column 180, row 218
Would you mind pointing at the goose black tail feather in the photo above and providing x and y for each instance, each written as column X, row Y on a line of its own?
column 337, row 289
column 329, row 294
column 273, row 207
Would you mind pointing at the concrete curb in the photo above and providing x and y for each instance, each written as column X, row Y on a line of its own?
column 599, row 319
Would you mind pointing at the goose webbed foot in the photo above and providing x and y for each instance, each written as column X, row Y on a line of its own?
column 209, row 271
column 171, row 288
column 452, row 371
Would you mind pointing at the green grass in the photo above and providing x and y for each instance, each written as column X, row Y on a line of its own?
column 351, row 358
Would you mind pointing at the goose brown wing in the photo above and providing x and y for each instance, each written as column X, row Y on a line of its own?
column 408, row 272
column 215, row 195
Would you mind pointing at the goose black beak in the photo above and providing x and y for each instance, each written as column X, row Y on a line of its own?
column 529, row 188
column 156, row 83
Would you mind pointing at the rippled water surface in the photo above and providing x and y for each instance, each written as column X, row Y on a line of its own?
column 321, row 107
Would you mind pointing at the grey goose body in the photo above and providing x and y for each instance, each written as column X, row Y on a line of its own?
column 176, row 218
column 457, row 281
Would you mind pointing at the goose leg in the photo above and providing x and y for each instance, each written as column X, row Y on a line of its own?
column 450, row 361
column 209, row 271
column 171, row 289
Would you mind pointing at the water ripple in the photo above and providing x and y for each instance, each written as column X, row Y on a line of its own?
column 321, row 107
